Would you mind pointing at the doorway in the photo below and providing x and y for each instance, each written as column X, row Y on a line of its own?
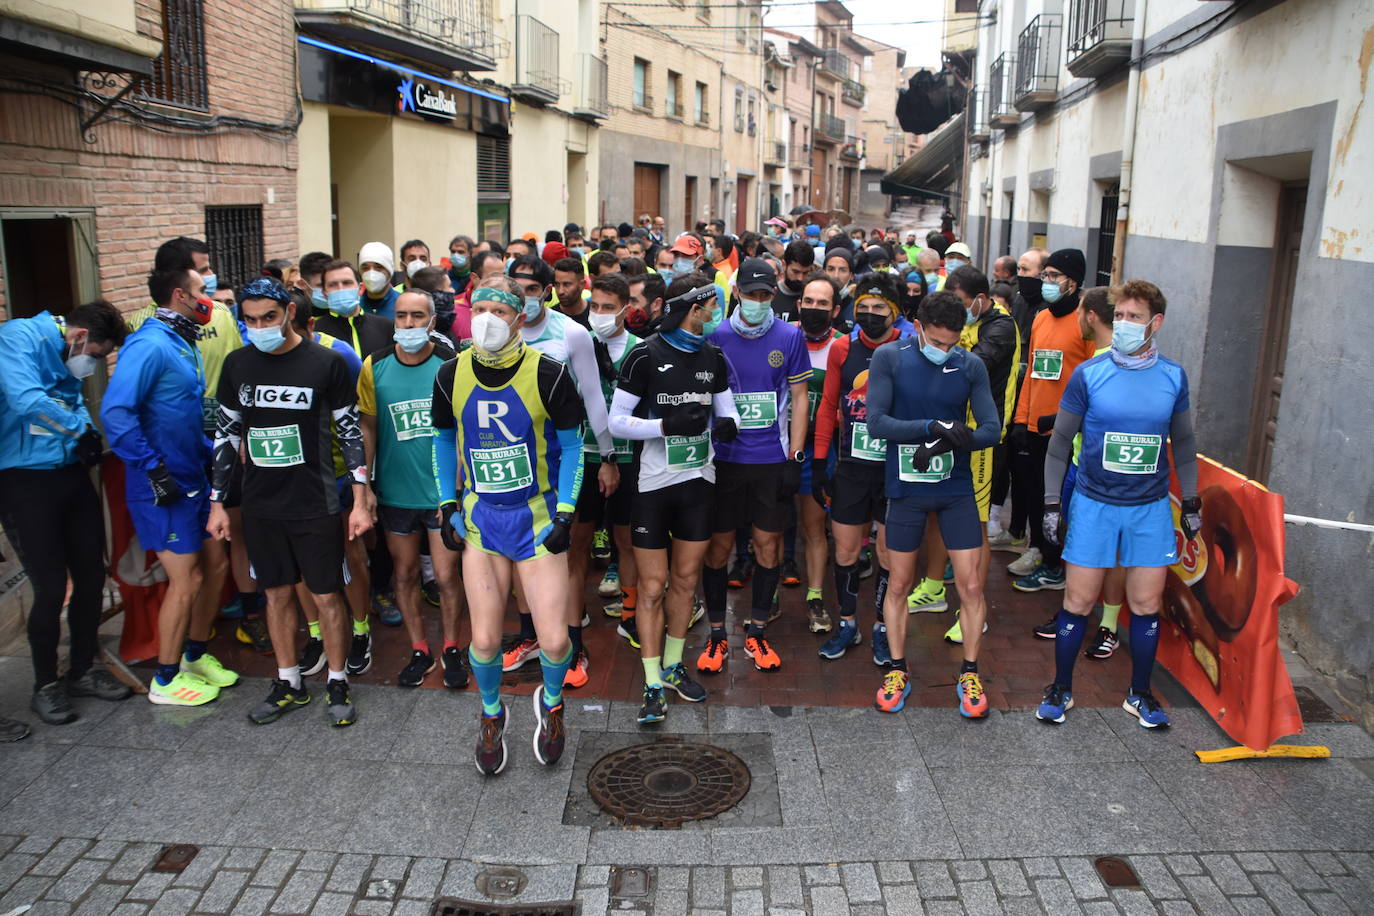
column 741, row 204
column 690, row 198
column 48, row 260
column 647, row 189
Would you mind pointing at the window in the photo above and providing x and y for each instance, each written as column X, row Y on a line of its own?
column 178, row 76
column 740, row 19
column 671, row 92
column 752, row 121
column 234, row 235
column 641, row 84
column 739, row 109
column 493, row 166
column 700, row 103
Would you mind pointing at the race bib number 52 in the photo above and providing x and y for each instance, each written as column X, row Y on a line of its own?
column 1127, row 453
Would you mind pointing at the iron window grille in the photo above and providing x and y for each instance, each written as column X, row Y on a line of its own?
column 179, row 76
column 234, row 235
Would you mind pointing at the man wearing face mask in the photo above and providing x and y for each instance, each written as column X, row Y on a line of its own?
column 956, row 256
column 798, row 261
column 1128, row 403
column 375, row 262
column 458, row 265
column 646, row 304
column 839, row 267
column 414, row 257
column 1025, row 305
column 282, row 402
column 50, row 511
column 1056, row 348
column 689, row 254
column 152, row 413
column 452, row 319
column 346, row 319
column 759, row 473
column 928, row 262
column 394, row 399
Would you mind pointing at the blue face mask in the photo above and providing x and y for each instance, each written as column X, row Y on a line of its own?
column 459, row 262
column 211, row 284
column 953, row 264
column 412, row 340
column 576, row 252
column 683, row 266
column 267, row 339
column 1128, row 337
column 932, row 279
column 318, row 298
column 755, row 312
column 933, row 353
column 343, row 301
column 1050, row 292
column 533, row 306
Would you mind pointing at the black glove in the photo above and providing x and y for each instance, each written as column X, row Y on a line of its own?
column 1053, row 524
column 556, row 541
column 686, row 420
column 90, row 448
column 604, row 363
column 789, row 480
column 446, row 531
column 1016, row 437
column 725, row 430
column 165, row 489
column 1046, row 424
column 956, row 433
column 821, row 489
column 920, row 457
column 1190, row 517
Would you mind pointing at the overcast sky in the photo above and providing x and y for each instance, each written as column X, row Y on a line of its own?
column 875, row 19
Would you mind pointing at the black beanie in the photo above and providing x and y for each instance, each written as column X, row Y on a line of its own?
column 1069, row 262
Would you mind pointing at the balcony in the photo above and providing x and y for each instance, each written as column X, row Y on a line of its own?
column 592, row 102
column 851, row 149
column 979, row 129
column 829, row 128
column 1001, row 114
column 1099, row 35
column 800, row 157
column 450, row 34
column 775, row 154
column 1037, row 63
column 835, row 63
column 536, row 62
column 853, row 92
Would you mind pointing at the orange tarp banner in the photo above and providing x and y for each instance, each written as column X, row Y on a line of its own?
column 1221, row 609
column 141, row 580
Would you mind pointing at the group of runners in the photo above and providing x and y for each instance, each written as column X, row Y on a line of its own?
column 489, row 421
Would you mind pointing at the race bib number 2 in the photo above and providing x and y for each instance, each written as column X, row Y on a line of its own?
column 501, row 470
column 687, row 453
column 275, row 446
column 1128, row 453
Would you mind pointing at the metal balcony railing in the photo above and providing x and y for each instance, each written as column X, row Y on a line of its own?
column 1037, row 62
column 461, row 29
column 592, row 100
column 1001, row 114
column 853, row 92
column 536, row 61
column 834, row 61
column 850, row 149
column 830, row 126
column 775, row 153
column 1099, row 35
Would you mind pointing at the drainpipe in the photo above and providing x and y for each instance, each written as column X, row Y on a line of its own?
column 1123, row 206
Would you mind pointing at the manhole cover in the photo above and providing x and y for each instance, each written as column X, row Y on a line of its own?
column 1116, row 872
column 175, row 858
column 664, row 784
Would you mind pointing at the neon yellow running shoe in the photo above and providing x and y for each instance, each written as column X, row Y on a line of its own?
column 209, row 670
column 928, row 600
column 184, row 690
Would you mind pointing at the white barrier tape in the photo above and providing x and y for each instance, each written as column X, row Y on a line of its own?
column 1304, row 520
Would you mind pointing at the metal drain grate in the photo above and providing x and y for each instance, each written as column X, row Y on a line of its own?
column 452, row 906
column 1116, row 872
column 667, row 783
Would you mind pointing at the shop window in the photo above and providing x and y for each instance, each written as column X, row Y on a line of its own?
column 234, row 235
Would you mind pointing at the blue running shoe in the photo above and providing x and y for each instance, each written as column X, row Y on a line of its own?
column 846, row 635
column 882, row 654
column 233, row 610
column 385, row 606
column 949, row 571
column 1056, row 703
column 1146, row 708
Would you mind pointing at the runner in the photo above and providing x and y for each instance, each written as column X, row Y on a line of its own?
column 394, row 394
column 668, row 388
column 509, row 434
column 376, row 264
column 277, row 400
column 920, row 392
column 153, row 413
column 760, row 472
column 1127, row 402
column 855, row 491
column 798, row 263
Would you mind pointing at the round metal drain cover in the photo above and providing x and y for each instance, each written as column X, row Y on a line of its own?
column 664, row 784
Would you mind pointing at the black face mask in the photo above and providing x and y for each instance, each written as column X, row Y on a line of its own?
column 873, row 324
column 814, row 321
column 443, row 301
column 1030, row 289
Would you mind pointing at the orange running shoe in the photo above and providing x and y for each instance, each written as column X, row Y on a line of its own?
column 577, row 671
column 712, row 658
column 973, row 703
column 522, row 651
column 892, row 695
column 765, row 658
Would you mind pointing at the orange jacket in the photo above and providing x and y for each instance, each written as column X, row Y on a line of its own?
column 1056, row 348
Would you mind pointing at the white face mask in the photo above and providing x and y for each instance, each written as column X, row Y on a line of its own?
column 415, row 267
column 81, row 365
column 604, row 325
column 490, row 332
column 375, row 281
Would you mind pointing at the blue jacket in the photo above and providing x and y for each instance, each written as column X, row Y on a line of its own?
column 152, row 410
column 41, row 409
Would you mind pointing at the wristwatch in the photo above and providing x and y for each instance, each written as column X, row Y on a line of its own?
column 608, row 458
column 799, row 456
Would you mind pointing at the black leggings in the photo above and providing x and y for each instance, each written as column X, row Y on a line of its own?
column 54, row 522
column 1001, row 473
column 1030, row 479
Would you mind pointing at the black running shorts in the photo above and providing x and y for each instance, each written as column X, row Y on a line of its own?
column 747, row 494
column 858, row 498
column 681, row 511
column 283, row 552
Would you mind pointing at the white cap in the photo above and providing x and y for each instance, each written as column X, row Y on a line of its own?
column 377, row 253
column 958, row 248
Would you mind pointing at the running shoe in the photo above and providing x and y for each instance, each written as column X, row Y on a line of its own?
column 183, row 690
column 949, row 571
column 629, row 631
column 882, row 653
column 233, row 610
column 817, row 618
column 955, row 634
column 577, row 673
column 430, row 589
column 790, row 575
column 1103, row 644
column 521, row 652
column 677, row 678
column 586, row 619
column 1049, row 629
column 1042, row 578
column 615, row 608
column 51, row 704
column 456, row 668
column 1025, row 564
column 764, row 656
column 1146, row 708
column 698, row 611
column 252, row 631
column 384, row 603
column 865, row 563
column 1058, row 701
column 655, row 706
column 491, row 742
column 846, row 635
column 413, row 674
column 892, row 695
column 208, row 669
column 339, row 699
column 282, row 698
column 712, row 659
column 312, row 657
column 973, row 703
column 609, row 586
column 549, row 734
column 359, row 654
column 1005, row 540
column 923, row 599
column 601, row 545
column 739, row 571
column 101, row 684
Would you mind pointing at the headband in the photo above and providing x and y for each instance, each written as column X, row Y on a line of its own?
column 489, row 294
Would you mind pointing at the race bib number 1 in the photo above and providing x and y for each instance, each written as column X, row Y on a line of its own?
column 688, row 453
column 940, row 466
column 501, row 470
column 1127, row 453
column 757, row 409
column 275, row 446
column 1047, row 364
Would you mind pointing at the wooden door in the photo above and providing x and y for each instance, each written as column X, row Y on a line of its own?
column 646, row 190
column 741, row 205
column 689, row 215
column 818, row 182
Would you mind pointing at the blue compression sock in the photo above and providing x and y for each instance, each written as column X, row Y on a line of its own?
column 1144, row 641
column 165, row 673
column 1070, row 630
column 554, row 673
column 194, row 649
column 487, row 673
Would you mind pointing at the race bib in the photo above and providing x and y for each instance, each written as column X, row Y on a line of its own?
column 209, row 413
column 1127, row 453
column 275, row 446
column 1047, row 364
column 757, row 409
column 410, row 419
column 862, row 446
column 501, row 470
column 940, row 466
column 813, row 400
column 688, row 453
